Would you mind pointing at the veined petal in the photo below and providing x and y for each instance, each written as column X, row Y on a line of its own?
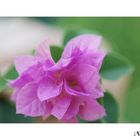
column 60, row 106
column 48, row 88
column 43, row 51
column 60, row 64
column 74, row 92
column 27, row 102
column 92, row 58
column 84, row 43
column 73, row 109
column 21, row 81
column 87, row 76
column 98, row 92
column 23, row 63
column 91, row 111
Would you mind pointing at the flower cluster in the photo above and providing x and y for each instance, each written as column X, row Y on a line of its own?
column 66, row 89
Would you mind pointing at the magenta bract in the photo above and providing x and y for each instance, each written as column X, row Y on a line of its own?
column 66, row 89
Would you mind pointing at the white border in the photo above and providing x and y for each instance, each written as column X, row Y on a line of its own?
column 69, row 8
column 68, row 131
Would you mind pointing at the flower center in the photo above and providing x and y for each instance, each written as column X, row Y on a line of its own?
column 72, row 83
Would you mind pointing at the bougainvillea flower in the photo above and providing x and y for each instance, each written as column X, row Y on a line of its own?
column 67, row 89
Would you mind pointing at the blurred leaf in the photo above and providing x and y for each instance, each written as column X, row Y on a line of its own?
column 56, row 52
column 12, row 73
column 115, row 66
column 69, row 34
column 8, row 113
column 33, row 52
column 111, row 107
column 2, row 84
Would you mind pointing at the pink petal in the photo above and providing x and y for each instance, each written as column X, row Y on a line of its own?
column 14, row 95
column 27, row 102
column 72, row 110
column 87, row 76
column 60, row 106
column 23, row 63
column 48, row 88
column 43, row 51
column 74, row 92
column 62, row 63
column 47, row 64
column 84, row 43
column 98, row 92
column 92, row 58
column 91, row 111
column 21, row 81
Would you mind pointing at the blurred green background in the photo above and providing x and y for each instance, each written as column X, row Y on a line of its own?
column 123, row 33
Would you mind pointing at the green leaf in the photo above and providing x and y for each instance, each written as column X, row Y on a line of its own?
column 56, row 52
column 71, row 33
column 11, row 73
column 2, row 84
column 8, row 113
column 111, row 107
column 33, row 52
column 115, row 66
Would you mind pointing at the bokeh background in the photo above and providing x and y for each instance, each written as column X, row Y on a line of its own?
column 121, row 34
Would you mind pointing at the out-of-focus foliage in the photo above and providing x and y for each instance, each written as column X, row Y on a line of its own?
column 112, row 108
column 2, row 84
column 8, row 113
column 115, row 66
column 56, row 52
column 11, row 73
